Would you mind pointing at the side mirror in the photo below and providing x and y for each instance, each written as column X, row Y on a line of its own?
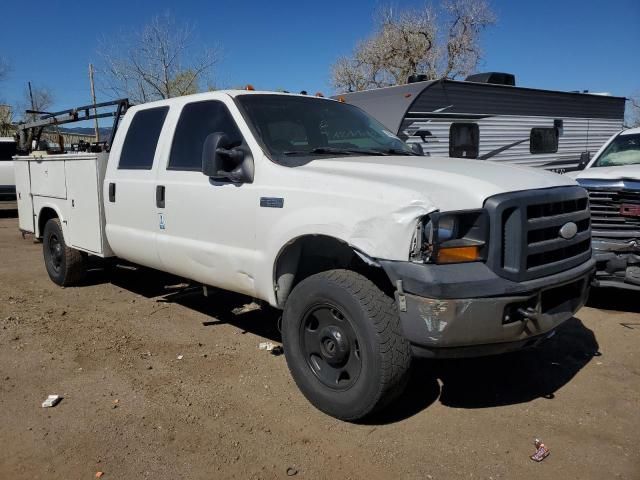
column 221, row 160
column 417, row 148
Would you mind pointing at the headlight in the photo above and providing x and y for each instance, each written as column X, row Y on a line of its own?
column 452, row 237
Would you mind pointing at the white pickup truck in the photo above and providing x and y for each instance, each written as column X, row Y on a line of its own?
column 7, row 182
column 374, row 253
column 612, row 178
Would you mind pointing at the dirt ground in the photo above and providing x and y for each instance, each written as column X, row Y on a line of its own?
column 163, row 383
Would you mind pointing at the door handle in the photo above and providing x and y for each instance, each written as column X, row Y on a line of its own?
column 112, row 192
column 160, row 196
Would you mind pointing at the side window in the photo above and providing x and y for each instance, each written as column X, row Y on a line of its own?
column 543, row 140
column 140, row 143
column 464, row 140
column 196, row 122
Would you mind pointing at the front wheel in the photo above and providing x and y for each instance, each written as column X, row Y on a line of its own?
column 65, row 266
column 344, row 345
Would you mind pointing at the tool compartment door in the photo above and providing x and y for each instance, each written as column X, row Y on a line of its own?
column 48, row 178
column 23, row 196
column 85, row 224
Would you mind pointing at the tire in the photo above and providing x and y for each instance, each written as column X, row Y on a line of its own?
column 65, row 266
column 344, row 345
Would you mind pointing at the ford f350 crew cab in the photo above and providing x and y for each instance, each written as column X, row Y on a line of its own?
column 309, row 204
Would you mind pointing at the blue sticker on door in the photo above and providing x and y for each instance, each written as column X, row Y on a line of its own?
column 163, row 225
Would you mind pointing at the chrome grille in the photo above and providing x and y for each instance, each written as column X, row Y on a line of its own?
column 606, row 217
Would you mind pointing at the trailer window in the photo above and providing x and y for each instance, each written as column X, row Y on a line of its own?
column 142, row 137
column 543, row 140
column 464, row 140
column 197, row 121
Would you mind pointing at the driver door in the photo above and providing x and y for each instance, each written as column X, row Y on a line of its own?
column 207, row 231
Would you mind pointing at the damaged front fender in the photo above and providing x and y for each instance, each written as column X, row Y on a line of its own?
column 388, row 235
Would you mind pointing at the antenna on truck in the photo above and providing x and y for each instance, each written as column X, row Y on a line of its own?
column 32, row 130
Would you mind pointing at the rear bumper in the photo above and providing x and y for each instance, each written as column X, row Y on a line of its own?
column 496, row 323
column 618, row 263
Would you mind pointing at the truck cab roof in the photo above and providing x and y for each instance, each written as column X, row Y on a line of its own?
column 233, row 93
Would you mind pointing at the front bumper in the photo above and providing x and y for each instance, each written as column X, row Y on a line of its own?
column 618, row 263
column 495, row 320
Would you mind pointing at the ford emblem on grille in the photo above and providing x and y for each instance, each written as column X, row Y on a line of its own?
column 568, row 230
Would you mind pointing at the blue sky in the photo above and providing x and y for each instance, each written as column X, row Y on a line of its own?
column 564, row 45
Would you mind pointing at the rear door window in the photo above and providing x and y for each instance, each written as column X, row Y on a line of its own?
column 543, row 140
column 464, row 140
column 197, row 121
column 142, row 138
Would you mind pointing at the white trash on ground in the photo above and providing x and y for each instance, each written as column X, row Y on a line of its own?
column 51, row 401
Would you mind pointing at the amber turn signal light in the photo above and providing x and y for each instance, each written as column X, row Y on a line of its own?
column 458, row 254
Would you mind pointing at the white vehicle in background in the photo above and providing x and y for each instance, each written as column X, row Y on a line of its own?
column 7, row 180
column 612, row 179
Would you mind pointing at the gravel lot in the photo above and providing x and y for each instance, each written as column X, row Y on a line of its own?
column 132, row 409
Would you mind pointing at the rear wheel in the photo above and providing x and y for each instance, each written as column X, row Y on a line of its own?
column 65, row 266
column 343, row 344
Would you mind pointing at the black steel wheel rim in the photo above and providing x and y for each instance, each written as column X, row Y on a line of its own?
column 55, row 252
column 330, row 346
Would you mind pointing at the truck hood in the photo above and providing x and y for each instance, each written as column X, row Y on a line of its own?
column 447, row 183
column 626, row 172
column 374, row 203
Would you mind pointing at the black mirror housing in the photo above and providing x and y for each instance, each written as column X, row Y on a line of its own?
column 221, row 160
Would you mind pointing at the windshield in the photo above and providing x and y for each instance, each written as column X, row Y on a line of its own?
column 623, row 150
column 296, row 130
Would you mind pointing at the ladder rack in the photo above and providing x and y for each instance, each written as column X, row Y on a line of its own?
column 32, row 130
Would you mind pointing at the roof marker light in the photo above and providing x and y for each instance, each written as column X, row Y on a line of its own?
column 249, row 87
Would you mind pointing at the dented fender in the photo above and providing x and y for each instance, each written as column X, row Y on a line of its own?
column 390, row 235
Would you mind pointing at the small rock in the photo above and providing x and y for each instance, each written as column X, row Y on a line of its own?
column 291, row 472
column 99, row 474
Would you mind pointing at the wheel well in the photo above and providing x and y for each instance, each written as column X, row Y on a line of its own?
column 313, row 254
column 46, row 214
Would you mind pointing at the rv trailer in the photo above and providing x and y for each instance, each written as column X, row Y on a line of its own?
column 501, row 122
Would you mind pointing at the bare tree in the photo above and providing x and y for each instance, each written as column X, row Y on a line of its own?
column 632, row 114
column 42, row 100
column 442, row 42
column 159, row 62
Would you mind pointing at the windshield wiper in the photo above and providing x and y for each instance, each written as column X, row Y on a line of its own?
column 332, row 150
